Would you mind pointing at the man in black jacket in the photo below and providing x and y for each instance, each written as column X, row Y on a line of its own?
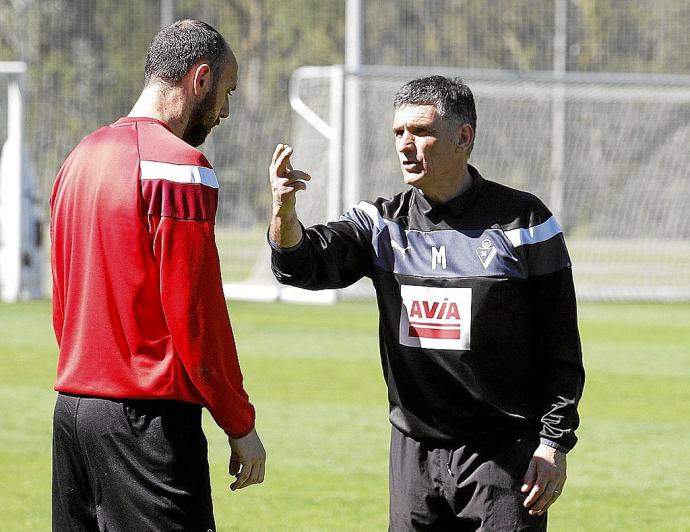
column 478, row 328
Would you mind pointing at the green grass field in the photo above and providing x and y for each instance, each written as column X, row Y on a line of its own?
column 314, row 375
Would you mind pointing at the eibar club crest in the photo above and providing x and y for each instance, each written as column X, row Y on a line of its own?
column 486, row 252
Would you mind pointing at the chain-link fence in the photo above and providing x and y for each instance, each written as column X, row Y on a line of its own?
column 85, row 68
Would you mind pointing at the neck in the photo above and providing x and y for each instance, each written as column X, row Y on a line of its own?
column 162, row 103
column 451, row 187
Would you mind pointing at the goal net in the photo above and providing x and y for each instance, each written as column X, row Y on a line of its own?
column 607, row 153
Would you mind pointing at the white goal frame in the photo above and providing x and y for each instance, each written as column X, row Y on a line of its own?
column 11, row 185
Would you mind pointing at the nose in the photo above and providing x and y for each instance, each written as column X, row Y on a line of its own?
column 225, row 110
column 406, row 142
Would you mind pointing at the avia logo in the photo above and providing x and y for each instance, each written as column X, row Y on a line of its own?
column 434, row 309
column 445, row 318
column 486, row 252
column 435, row 317
column 401, row 249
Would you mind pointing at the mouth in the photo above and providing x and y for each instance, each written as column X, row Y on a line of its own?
column 411, row 166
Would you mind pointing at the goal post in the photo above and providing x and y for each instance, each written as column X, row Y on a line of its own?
column 20, row 246
column 607, row 153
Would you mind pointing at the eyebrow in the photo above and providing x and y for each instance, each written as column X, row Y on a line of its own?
column 427, row 127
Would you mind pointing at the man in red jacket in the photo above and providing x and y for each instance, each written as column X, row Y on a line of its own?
column 138, row 307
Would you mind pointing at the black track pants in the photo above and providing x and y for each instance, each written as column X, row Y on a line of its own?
column 125, row 465
column 461, row 489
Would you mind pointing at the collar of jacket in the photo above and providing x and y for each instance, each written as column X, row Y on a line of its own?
column 457, row 204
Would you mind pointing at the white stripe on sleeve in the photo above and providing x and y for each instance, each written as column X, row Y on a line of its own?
column 373, row 213
column 179, row 173
column 533, row 235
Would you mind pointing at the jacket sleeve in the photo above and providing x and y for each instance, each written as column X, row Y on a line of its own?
column 334, row 255
column 558, row 351
column 197, row 317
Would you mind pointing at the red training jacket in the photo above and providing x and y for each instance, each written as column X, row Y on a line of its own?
column 138, row 305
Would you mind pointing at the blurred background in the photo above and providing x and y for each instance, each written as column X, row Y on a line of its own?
column 584, row 102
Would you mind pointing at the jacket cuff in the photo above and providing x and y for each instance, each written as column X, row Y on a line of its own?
column 238, row 435
column 279, row 249
column 553, row 444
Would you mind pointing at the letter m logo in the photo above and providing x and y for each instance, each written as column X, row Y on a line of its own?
column 438, row 256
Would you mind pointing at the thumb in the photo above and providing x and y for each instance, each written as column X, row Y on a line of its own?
column 530, row 476
column 234, row 467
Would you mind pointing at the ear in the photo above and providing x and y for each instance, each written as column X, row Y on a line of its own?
column 465, row 138
column 201, row 79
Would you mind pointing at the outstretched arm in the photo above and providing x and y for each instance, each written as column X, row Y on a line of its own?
column 332, row 255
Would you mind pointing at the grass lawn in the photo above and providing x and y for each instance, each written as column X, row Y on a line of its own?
column 314, row 376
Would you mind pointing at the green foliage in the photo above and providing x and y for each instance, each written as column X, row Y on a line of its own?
column 314, row 375
column 628, row 37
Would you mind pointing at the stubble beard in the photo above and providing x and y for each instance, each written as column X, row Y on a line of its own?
column 201, row 121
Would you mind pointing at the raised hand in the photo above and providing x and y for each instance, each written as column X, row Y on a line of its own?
column 285, row 229
column 285, row 181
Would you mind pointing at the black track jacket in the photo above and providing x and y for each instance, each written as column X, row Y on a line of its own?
column 478, row 326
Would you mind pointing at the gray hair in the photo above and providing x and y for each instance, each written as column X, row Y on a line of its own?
column 452, row 98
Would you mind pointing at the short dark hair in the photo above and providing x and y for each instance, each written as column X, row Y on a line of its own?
column 176, row 48
column 452, row 98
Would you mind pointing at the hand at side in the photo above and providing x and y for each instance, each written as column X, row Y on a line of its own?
column 247, row 460
column 544, row 479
